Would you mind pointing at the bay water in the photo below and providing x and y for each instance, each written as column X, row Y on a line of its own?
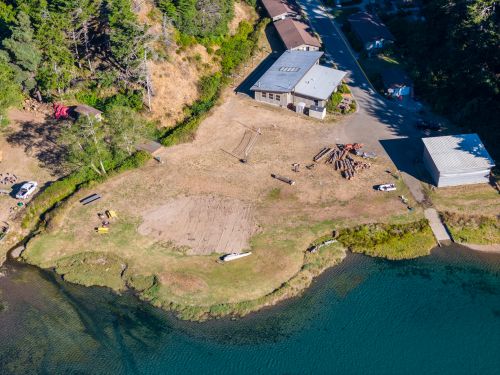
column 434, row 315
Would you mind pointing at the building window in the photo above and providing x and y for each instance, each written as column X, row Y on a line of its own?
column 264, row 95
column 278, row 97
column 271, row 96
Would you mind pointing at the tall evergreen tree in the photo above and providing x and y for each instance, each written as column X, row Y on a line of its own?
column 10, row 90
column 23, row 51
column 126, row 36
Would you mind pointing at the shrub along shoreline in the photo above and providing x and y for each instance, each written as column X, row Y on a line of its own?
column 313, row 266
column 390, row 241
column 234, row 50
column 472, row 229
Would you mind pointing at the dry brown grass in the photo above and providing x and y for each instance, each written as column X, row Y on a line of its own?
column 481, row 199
column 287, row 221
column 175, row 78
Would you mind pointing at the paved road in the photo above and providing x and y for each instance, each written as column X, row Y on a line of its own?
column 380, row 124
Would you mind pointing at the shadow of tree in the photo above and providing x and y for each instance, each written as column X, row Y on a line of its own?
column 40, row 140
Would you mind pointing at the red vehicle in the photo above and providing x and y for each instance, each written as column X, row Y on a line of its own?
column 61, row 112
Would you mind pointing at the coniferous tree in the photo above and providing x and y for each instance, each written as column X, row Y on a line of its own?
column 126, row 36
column 10, row 90
column 24, row 54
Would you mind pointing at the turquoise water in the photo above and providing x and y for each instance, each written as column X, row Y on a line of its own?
column 434, row 315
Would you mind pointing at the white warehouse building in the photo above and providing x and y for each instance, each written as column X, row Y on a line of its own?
column 457, row 160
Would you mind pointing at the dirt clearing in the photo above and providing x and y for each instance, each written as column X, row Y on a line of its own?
column 26, row 150
column 204, row 224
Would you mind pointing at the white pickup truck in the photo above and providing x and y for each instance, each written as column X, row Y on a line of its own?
column 386, row 187
column 26, row 190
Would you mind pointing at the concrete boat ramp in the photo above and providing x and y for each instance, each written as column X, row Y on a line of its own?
column 437, row 226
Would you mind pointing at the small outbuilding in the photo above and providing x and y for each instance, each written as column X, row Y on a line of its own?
column 397, row 83
column 89, row 111
column 457, row 160
column 151, row 147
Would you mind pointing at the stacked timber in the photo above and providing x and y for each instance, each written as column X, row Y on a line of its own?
column 341, row 160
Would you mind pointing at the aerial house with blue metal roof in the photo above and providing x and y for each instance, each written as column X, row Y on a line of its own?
column 296, row 79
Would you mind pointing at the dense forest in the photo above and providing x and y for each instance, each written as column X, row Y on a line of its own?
column 454, row 57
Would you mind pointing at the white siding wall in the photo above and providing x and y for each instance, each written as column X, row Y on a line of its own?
column 270, row 97
column 309, row 101
column 442, row 179
column 456, row 179
column 431, row 167
column 305, row 47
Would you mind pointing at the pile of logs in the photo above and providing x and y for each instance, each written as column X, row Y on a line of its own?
column 341, row 160
column 31, row 105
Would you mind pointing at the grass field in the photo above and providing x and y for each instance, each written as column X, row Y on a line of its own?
column 480, row 199
column 277, row 255
column 282, row 223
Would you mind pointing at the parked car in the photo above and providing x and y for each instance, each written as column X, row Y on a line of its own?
column 428, row 125
column 386, row 187
column 26, row 190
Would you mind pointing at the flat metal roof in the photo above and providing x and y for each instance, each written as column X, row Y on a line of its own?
column 287, row 71
column 458, row 153
column 319, row 82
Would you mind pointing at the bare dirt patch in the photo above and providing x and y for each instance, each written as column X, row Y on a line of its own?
column 175, row 77
column 205, row 224
column 175, row 83
column 242, row 12
column 26, row 148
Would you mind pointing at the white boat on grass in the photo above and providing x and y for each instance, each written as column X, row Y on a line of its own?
column 234, row 256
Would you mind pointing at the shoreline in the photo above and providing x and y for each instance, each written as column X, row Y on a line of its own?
column 491, row 248
column 314, row 265
column 285, row 293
